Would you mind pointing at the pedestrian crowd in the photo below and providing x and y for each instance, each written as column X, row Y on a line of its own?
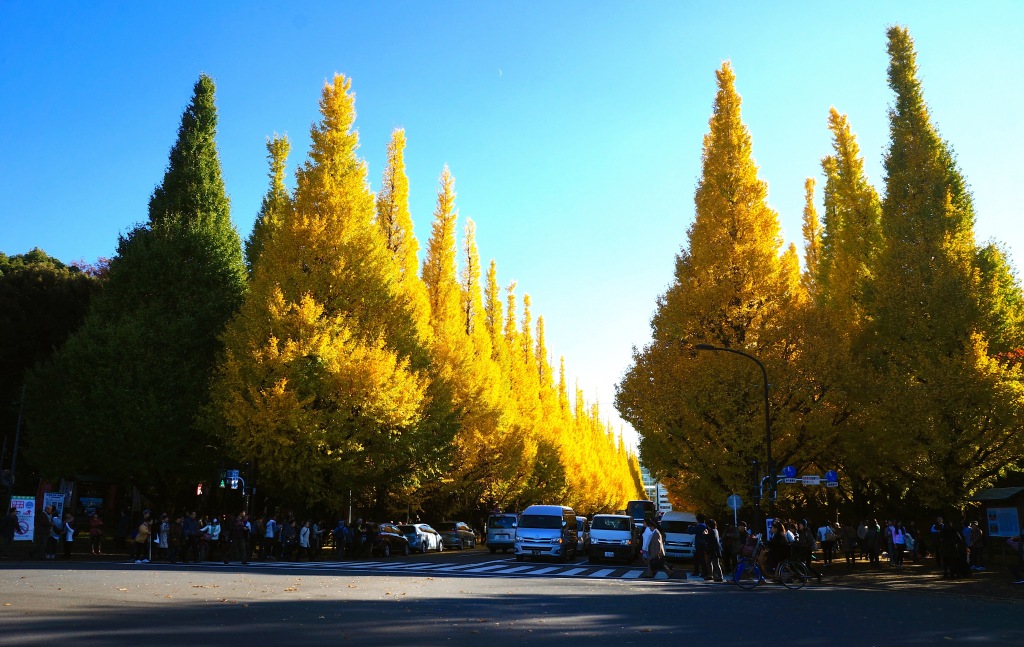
column 958, row 549
column 183, row 538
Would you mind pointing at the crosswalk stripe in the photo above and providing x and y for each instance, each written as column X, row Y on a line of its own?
column 573, row 571
column 483, row 568
column 498, row 567
column 546, row 569
column 517, row 569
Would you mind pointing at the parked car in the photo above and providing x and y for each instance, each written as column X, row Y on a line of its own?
column 612, row 536
column 457, row 534
column 389, row 541
column 422, row 537
column 501, row 531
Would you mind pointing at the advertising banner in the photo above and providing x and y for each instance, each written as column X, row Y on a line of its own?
column 26, row 507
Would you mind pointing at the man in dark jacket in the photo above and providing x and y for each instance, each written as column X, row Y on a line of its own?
column 238, row 536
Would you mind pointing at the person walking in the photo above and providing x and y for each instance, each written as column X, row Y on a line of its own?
column 270, row 534
column 656, row 551
column 68, row 534
column 141, row 542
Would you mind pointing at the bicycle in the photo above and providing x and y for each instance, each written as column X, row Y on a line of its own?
column 789, row 572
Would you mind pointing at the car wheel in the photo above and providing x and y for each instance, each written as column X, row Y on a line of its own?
column 440, row 546
column 520, row 558
column 493, row 550
column 405, row 550
column 593, row 559
column 385, row 551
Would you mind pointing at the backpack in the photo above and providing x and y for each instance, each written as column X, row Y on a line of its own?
column 830, row 535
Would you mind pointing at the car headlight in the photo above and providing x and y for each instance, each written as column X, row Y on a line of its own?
column 626, row 542
column 556, row 541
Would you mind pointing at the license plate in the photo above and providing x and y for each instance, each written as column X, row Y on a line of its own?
column 535, row 552
column 502, row 536
column 609, row 554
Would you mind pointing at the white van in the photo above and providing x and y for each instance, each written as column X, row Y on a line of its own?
column 677, row 530
column 546, row 531
column 501, row 529
column 613, row 536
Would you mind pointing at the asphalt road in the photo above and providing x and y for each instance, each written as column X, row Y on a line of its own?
column 470, row 598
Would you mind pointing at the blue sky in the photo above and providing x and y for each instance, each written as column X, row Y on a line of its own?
column 573, row 129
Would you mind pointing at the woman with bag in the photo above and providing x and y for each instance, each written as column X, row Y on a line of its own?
column 140, row 547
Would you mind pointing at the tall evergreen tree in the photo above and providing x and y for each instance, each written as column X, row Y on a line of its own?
column 396, row 226
column 702, row 419
column 952, row 407
column 319, row 382
column 131, row 383
column 275, row 203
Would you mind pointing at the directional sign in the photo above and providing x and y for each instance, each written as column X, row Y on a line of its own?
column 809, row 479
column 790, row 481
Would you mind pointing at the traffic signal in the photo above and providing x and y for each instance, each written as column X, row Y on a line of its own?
column 222, row 478
column 773, row 482
column 199, row 490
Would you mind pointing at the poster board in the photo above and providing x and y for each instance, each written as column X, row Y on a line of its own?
column 1003, row 522
column 26, row 507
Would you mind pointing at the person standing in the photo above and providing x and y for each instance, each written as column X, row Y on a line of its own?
column 977, row 547
column 95, row 533
column 40, row 532
column 140, row 545
column 714, row 551
column 175, row 539
column 269, row 540
column 8, row 528
column 899, row 544
column 190, row 537
column 935, row 545
column 304, row 534
column 700, row 542
column 68, row 532
column 56, row 532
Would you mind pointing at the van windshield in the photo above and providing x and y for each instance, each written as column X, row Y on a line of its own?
column 681, row 527
column 504, row 521
column 546, row 521
column 609, row 523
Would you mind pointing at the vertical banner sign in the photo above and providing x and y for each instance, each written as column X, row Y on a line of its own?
column 26, row 507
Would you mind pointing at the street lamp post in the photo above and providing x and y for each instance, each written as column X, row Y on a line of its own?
column 767, row 419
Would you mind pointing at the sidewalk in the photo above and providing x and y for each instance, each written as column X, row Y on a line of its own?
column 994, row 582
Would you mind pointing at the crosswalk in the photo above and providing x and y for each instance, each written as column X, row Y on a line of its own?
column 503, row 567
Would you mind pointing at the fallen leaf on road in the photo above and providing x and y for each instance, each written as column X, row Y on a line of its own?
column 291, row 588
column 122, row 589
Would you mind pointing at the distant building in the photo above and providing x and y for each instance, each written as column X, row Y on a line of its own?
column 655, row 491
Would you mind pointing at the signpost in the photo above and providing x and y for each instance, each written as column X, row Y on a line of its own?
column 735, row 503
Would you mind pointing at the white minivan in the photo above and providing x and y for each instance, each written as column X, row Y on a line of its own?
column 546, row 531
column 677, row 530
